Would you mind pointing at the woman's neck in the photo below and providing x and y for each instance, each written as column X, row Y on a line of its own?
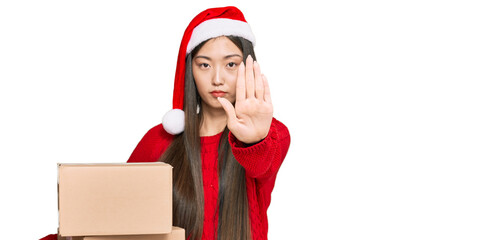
column 214, row 121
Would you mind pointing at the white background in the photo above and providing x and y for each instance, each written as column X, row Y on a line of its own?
column 395, row 108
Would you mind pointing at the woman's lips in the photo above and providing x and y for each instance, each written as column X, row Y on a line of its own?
column 218, row 93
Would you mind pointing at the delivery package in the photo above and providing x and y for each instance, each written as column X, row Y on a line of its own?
column 114, row 199
column 177, row 233
column 69, row 238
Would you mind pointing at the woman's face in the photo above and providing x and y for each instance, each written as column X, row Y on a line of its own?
column 215, row 69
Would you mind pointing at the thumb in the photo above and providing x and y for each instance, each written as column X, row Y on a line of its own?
column 229, row 110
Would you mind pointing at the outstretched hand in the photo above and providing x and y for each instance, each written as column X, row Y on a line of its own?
column 250, row 119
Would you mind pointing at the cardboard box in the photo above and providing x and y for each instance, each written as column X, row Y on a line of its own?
column 176, row 234
column 69, row 238
column 114, row 199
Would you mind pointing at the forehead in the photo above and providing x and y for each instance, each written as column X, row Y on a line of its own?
column 219, row 46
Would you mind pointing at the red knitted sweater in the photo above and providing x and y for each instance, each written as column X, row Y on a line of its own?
column 260, row 161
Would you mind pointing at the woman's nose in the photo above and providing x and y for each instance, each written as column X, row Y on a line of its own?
column 218, row 78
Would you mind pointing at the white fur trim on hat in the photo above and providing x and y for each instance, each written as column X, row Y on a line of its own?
column 174, row 121
column 219, row 27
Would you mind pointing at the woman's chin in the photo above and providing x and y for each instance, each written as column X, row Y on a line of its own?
column 213, row 106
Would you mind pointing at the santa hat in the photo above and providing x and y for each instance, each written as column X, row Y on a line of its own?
column 210, row 23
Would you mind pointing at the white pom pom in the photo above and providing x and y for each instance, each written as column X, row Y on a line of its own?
column 174, row 121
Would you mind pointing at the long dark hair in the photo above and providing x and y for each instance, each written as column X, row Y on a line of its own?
column 184, row 154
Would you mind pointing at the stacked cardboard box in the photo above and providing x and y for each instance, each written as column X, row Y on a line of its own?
column 176, row 234
column 123, row 201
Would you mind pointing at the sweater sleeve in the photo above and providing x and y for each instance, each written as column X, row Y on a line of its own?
column 263, row 159
column 50, row 237
column 151, row 146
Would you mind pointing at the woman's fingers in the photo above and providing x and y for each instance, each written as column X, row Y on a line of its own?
column 259, row 82
column 229, row 110
column 250, row 80
column 240, row 84
column 253, row 83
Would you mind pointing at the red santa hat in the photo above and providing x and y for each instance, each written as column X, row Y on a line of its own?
column 211, row 23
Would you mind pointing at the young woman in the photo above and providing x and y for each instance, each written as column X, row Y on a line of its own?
column 226, row 159
column 221, row 138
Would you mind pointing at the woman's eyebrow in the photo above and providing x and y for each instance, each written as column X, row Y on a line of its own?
column 232, row 55
column 205, row 57
column 225, row 57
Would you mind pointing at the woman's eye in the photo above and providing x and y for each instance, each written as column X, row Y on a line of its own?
column 231, row 64
column 204, row 65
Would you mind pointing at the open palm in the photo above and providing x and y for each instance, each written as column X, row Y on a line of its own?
column 250, row 119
